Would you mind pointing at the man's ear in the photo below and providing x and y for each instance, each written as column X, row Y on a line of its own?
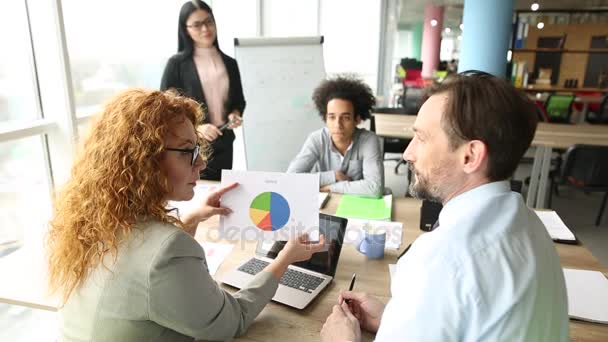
column 475, row 156
column 358, row 119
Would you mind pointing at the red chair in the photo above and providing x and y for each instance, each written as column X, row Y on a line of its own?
column 540, row 111
column 413, row 78
column 593, row 107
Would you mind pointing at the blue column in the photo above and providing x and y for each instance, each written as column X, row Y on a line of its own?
column 485, row 36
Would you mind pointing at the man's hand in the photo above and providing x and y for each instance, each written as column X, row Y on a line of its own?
column 341, row 176
column 341, row 325
column 367, row 309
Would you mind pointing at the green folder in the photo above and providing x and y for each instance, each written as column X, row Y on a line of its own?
column 365, row 208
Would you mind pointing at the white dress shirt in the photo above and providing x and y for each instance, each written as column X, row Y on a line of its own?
column 489, row 272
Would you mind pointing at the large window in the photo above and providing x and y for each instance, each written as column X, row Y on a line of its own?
column 352, row 31
column 103, row 48
column 24, row 192
column 235, row 19
column 18, row 100
column 116, row 44
column 290, row 18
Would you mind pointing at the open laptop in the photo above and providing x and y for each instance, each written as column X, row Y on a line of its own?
column 304, row 280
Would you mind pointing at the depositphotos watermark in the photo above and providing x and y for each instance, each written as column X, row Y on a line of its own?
column 252, row 233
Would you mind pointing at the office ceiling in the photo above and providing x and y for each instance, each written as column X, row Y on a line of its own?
column 413, row 10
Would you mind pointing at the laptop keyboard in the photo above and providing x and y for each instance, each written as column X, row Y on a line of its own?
column 292, row 278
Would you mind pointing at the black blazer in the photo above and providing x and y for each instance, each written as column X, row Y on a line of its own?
column 180, row 73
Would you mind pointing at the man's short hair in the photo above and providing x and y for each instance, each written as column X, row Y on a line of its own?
column 486, row 108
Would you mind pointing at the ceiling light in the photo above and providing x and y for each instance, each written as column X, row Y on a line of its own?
column 448, row 30
column 433, row 22
column 534, row 6
column 459, row 37
column 540, row 25
column 461, row 26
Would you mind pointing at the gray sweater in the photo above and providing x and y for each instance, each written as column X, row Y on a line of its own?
column 159, row 289
column 363, row 163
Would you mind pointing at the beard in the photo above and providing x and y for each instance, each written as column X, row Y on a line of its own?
column 421, row 188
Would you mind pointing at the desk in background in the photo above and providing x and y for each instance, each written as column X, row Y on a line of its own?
column 280, row 323
column 548, row 88
column 23, row 281
column 548, row 136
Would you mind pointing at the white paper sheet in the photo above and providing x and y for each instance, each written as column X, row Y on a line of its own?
column 270, row 205
column 587, row 295
column 394, row 231
column 555, row 226
column 200, row 193
column 215, row 254
column 392, row 268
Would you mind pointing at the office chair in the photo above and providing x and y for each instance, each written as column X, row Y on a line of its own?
column 559, row 108
column 391, row 145
column 586, row 168
column 591, row 107
column 541, row 113
column 600, row 115
column 411, row 101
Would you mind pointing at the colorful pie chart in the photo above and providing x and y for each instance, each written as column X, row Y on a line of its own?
column 269, row 211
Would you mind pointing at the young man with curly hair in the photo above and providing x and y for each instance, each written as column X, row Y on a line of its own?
column 347, row 158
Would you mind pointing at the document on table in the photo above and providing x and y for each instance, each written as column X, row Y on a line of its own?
column 215, row 254
column 394, row 231
column 271, row 206
column 392, row 268
column 587, row 295
column 555, row 226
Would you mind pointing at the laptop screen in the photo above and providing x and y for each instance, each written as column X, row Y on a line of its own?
column 326, row 261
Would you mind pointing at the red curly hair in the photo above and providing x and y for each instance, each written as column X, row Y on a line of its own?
column 116, row 181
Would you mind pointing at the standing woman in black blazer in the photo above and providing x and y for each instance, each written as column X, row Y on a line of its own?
column 201, row 70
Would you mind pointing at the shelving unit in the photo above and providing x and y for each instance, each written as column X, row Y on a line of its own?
column 572, row 57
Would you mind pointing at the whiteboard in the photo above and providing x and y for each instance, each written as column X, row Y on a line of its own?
column 278, row 76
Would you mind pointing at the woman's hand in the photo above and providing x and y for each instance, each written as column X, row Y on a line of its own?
column 209, row 132
column 298, row 249
column 235, row 120
column 209, row 207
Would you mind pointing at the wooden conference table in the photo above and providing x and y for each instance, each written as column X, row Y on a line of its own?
column 548, row 136
column 280, row 323
column 23, row 281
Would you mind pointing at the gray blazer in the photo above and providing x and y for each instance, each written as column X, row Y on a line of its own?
column 159, row 289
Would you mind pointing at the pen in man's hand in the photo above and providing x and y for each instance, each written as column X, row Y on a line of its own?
column 352, row 284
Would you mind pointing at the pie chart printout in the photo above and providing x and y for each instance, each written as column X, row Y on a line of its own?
column 269, row 211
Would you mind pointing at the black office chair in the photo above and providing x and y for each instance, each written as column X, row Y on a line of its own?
column 586, row 168
column 391, row 145
column 411, row 101
column 601, row 116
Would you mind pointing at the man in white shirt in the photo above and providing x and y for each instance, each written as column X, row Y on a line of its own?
column 489, row 271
